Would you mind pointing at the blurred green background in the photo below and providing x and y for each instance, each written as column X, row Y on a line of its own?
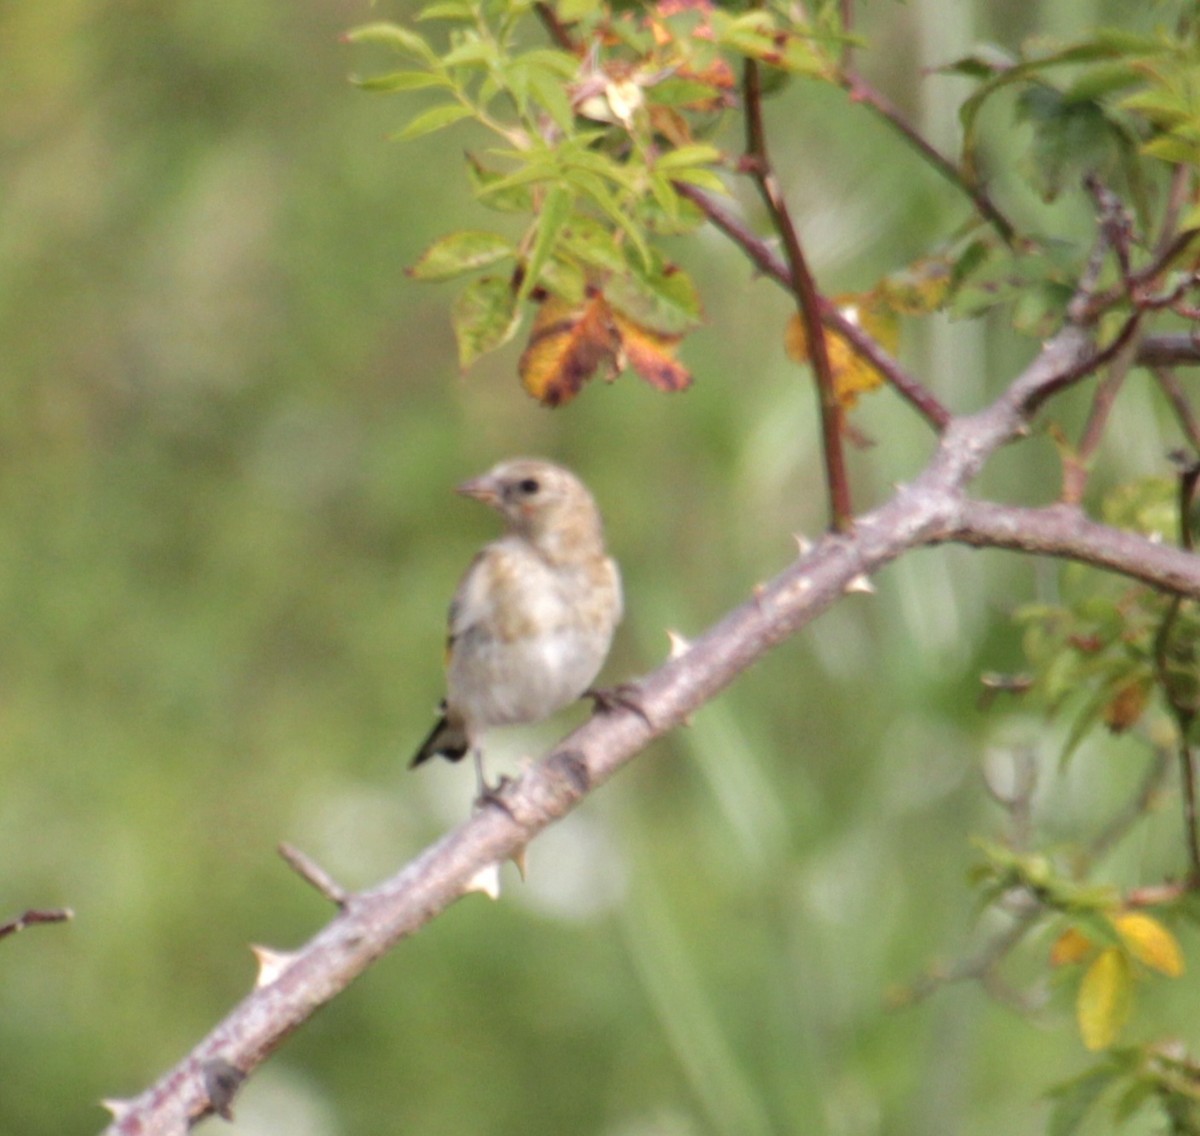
column 230, row 426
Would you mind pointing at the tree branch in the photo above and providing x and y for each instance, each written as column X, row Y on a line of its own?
column 764, row 257
column 933, row 509
column 809, row 302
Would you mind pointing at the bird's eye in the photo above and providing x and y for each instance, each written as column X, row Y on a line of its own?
column 529, row 486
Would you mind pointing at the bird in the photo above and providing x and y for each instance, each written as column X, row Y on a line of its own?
column 533, row 617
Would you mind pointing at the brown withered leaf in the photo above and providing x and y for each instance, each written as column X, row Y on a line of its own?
column 652, row 355
column 568, row 343
column 1125, row 707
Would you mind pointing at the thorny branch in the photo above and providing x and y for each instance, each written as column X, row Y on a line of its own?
column 932, row 509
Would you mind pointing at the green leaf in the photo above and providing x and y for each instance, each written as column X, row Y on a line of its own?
column 457, row 253
column 600, row 196
column 448, row 10
column 393, row 36
column 485, row 316
column 1074, row 1099
column 693, row 154
column 472, row 52
column 703, row 179
column 436, row 118
column 485, row 184
column 663, row 299
column 1069, row 138
column 556, row 208
column 593, row 244
column 570, row 11
column 681, row 92
column 549, row 90
column 401, row 81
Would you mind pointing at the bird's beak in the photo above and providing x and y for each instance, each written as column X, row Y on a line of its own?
column 480, row 489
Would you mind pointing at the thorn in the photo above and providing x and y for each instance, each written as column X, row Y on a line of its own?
column 860, row 583
column 679, row 645
column 518, row 860
column 271, row 964
column 803, row 545
column 486, row 880
column 119, row 1109
column 313, row 874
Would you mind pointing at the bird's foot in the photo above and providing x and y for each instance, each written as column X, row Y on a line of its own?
column 623, row 696
column 494, row 794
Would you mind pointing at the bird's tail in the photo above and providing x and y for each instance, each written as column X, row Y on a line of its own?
column 448, row 738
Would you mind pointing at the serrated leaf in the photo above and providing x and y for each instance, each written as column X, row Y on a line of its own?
column 663, row 298
column 1150, row 942
column 485, row 184
column 472, row 52
column 436, row 118
column 593, row 244
column 401, row 81
column 447, row 10
column 652, row 356
column 1105, row 999
column 393, row 36
column 460, row 252
column 485, row 317
column 693, row 154
column 702, row 179
column 556, row 208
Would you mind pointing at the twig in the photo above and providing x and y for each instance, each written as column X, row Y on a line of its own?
column 932, row 509
column 1180, row 404
column 1183, row 707
column 1078, row 464
column 312, row 873
column 861, row 91
column 808, row 300
column 764, row 257
column 555, row 28
column 1172, row 349
column 34, row 916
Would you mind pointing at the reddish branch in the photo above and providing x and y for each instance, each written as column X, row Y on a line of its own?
column 764, row 257
column 861, row 91
column 803, row 287
column 33, row 917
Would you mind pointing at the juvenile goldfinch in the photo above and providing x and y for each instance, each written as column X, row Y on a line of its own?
column 533, row 617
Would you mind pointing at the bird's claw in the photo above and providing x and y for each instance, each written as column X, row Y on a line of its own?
column 494, row 794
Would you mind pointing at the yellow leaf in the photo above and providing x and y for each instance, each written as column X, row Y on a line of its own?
column 1103, row 1004
column 1150, row 942
column 1125, row 707
column 852, row 375
column 1070, row 947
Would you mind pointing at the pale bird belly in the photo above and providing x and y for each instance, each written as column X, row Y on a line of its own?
column 500, row 684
